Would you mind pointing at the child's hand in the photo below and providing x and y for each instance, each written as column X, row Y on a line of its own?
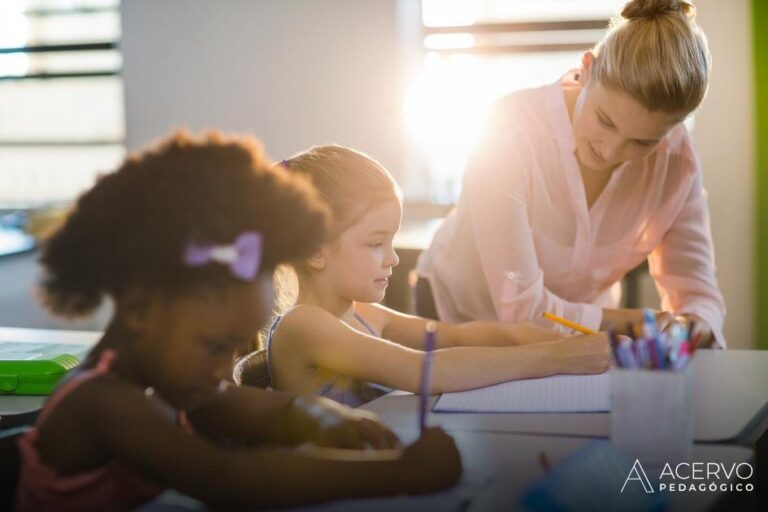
column 585, row 354
column 432, row 462
column 326, row 423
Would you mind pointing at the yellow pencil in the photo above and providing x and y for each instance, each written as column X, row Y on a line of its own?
column 568, row 323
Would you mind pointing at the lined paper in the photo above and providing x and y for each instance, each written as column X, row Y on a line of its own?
column 560, row 393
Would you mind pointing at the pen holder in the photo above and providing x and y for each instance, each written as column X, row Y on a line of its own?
column 652, row 414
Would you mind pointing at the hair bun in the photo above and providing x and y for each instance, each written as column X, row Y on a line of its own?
column 652, row 8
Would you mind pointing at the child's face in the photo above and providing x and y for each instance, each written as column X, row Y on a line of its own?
column 611, row 127
column 190, row 341
column 360, row 261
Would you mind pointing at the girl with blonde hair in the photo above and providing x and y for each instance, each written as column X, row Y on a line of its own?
column 579, row 181
column 336, row 341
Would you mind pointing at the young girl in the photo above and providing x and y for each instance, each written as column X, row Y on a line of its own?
column 338, row 342
column 184, row 238
column 579, row 181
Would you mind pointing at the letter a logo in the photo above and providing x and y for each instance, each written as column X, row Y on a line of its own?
column 640, row 475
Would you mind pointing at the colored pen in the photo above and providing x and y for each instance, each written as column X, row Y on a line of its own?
column 568, row 323
column 626, row 354
column 653, row 355
column 675, row 338
column 684, row 355
column 426, row 373
column 650, row 321
column 643, row 353
column 651, row 331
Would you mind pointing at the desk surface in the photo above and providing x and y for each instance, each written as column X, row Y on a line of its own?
column 508, row 463
column 730, row 404
column 513, row 461
column 512, row 458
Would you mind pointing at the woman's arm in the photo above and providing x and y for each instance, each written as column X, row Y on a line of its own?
column 322, row 340
column 408, row 330
column 254, row 478
column 683, row 266
column 251, row 416
column 684, row 270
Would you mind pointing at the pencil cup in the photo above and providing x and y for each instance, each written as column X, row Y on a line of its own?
column 652, row 414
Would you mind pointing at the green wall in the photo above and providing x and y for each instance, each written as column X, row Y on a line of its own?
column 760, row 35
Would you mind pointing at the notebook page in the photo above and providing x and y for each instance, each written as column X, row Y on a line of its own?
column 560, row 393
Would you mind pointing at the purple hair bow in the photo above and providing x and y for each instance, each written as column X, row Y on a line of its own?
column 243, row 256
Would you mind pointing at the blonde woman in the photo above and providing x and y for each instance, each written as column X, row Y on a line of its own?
column 579, row 181
column 336, row 341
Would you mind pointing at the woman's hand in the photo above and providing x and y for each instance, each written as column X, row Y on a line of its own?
column 585, row 354
column 326, row 423
column 618, row 319
column 702, row 332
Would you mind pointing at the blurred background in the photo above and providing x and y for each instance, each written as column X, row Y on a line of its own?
column 82, row 82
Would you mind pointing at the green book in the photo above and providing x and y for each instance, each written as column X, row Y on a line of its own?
column 36, row 368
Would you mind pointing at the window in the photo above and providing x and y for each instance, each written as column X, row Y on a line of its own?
column 61, row 106
column 476, row 51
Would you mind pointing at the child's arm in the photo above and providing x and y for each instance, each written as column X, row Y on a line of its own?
column 320, row 339
column 408, row 330
column 247, row 477
column 251, row 416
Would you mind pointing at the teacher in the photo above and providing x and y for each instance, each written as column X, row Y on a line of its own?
column 578, row 182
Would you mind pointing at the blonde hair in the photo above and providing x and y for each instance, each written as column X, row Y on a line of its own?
column 656, row 53
column 350, row 183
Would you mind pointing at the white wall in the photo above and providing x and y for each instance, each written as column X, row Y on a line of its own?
column 725, row 136
column 293, row 72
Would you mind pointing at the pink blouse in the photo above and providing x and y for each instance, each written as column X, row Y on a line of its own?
column 522, row 241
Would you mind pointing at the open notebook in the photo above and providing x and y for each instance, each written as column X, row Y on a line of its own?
column 560, row 393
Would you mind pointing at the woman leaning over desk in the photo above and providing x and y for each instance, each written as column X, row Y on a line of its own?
column 579, row 181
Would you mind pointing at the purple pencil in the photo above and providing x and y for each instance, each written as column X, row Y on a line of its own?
column 426, row 373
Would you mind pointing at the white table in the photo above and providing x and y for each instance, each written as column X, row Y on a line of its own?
column 730, row 404
column 513, row 461
column 731, row 396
